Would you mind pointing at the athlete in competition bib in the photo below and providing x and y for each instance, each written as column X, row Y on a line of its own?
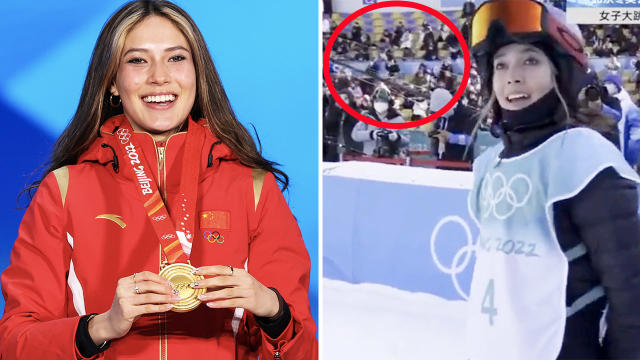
column 518, row 290
column 554, row 160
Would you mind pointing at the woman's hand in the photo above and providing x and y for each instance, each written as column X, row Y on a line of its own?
column 233, row 287
column 136, row 295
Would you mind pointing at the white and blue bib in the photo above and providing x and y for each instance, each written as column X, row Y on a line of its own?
column 517, row 302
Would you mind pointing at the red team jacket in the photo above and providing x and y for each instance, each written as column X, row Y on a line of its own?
column 68, row 258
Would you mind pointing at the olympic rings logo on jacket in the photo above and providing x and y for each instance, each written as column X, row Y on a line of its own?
column 213, row 237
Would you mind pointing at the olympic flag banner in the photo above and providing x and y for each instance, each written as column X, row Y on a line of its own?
column 400, row 226
column 603, row 11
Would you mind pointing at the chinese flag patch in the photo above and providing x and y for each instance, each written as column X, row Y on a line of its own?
column 214, row 219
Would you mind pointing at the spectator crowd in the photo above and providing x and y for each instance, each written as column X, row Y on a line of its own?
column 409, row 56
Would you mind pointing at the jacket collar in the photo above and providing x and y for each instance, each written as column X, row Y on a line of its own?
column 105, row 149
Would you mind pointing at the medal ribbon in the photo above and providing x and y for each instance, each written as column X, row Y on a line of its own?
column 175, row 234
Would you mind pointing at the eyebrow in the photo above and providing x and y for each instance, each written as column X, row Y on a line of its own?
column 528, row 49
column 169, row 49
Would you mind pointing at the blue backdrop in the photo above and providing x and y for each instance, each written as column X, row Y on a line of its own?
column 266, row 54
column 402, row 233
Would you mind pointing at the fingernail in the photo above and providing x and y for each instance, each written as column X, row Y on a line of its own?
column 194, row 284
column 202, row 297
column 170, row 306
column 170, row 283
column 176, row 298
column 195, row 271
column 211, row 304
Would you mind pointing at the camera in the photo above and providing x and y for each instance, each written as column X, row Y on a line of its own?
column 384, row 134
column 433, row 133
column 594, row 92
column 384, row 146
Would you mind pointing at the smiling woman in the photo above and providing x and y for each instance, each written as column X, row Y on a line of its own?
column 156, row 79
column 522, row 74
column 114, row 254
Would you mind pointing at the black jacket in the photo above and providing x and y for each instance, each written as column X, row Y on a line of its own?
column 461, row 121
column 603, row 217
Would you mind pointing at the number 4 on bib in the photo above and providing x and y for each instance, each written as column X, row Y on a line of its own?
column 488, row 306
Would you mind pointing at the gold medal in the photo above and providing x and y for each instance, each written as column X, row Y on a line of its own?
column 181, row 277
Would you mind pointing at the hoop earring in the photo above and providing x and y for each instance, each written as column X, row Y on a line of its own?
column 111, row 101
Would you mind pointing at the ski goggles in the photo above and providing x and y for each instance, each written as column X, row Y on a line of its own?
column 523, row 17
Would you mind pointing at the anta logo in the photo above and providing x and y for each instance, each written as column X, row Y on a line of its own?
column 113, row 217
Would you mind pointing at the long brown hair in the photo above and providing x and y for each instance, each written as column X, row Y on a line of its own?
column 211, row 101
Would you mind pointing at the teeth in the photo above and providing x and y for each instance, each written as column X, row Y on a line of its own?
column 517, row 96
column 159, row 98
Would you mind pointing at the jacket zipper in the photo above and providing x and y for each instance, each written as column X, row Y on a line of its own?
column 161, row 157
column 276, row 355
column 162, row 188
column 161, row 180
column 161, row 162
column 161, row 184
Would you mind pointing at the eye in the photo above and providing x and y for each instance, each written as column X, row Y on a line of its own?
column 177, row 58
column 136, row 60
column 531, row 61
column 499, row 66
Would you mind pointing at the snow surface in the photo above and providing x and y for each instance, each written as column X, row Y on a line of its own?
column 373, row 321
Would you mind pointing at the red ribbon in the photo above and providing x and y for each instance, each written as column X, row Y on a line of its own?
column 174, row 233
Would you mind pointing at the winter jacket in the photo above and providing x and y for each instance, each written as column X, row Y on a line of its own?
column 74, row 244
column 604, row 218
column 631, row 130
column 364, row 133
column 459, row 124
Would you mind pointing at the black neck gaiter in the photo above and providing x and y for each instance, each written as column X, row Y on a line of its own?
column 538, row 114
column 524, row 129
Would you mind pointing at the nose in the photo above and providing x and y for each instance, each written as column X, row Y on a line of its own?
column 514, row 75
column 159, row 74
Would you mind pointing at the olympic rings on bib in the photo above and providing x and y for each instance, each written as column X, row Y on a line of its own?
column 502, row 197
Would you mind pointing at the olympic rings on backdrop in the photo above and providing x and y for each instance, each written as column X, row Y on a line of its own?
column 456, row 267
